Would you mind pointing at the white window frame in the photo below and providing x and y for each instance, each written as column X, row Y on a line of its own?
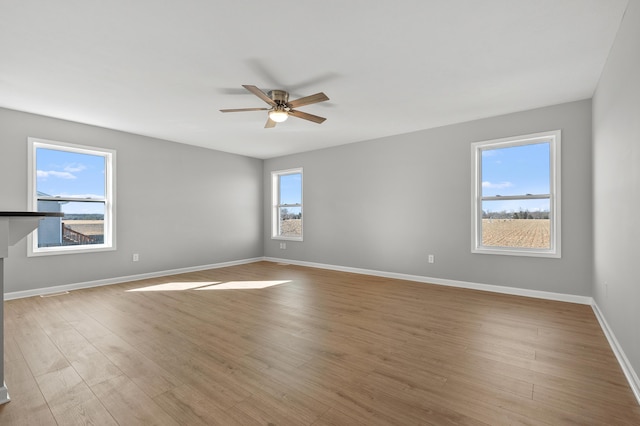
column 276, row 204
column 108, row 200
column 554, row 139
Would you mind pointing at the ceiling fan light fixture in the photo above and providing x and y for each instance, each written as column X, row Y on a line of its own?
column 278, row 115
column 280, row 108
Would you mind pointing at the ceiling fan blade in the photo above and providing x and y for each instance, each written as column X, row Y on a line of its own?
column 244, row 109
column 259, row 93
column 307, row 116
column 270, row 123
column 313, row 81
column 307, row 100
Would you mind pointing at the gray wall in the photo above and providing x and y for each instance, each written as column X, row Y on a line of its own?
column 616, row 166
column 177, row 205
column 386, row 204
column 383, row 204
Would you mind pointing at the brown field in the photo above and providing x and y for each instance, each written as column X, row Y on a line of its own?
column 291, row 228
column 86, row 227
column 529, row 233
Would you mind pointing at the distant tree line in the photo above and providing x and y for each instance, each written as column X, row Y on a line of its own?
column 522, row 214
column 285, row 215
column 83, row 216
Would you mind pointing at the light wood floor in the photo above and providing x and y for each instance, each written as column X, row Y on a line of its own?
column 319, row 348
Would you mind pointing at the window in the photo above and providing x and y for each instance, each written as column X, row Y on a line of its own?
column 516, row 195
column 77, row 181
column 287, row 204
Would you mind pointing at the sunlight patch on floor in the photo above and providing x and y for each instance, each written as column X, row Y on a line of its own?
column 178, row 286
column 212, row 285
column 243, row 285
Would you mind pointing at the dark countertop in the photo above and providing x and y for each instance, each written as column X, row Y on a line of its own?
column 31, row 214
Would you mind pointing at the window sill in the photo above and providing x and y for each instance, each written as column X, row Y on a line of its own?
column 501, row 251
column 286, row 238
column 53, row 251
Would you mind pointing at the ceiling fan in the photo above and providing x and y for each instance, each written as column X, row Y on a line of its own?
column 281, row 107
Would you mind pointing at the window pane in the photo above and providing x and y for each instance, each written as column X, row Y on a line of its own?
column 69, row 174
column 287, row 204
column 77, row 181
column 82, row 224
column 291, row 189
column 516, row 195
column 516, row 223
column 290, row 221
column 516, row 170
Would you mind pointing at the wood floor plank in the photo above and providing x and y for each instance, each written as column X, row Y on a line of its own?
column 151, row 378
column 395, row 399
column 273, row 389
column 605, row 412
column 129, row 405
column 63, row 389
column 85, row 358
column 266, row 411
column 192, row 407
column 27, row 406
column 198, row 371
column 40, row 353
column 70, row 399
column 494, row 406
column 16, row 369
column 319, row 348
column 89, row 412
column 334, row 417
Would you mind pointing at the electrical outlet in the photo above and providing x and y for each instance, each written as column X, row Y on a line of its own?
column 432, row 258
column 283, row 246
column 136, row 257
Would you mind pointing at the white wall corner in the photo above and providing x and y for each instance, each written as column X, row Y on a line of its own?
column 626, row 366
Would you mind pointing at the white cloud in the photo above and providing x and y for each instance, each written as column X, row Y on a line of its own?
column 74, row 167
column 499, row 185
column 45, row 174
column 68, row 173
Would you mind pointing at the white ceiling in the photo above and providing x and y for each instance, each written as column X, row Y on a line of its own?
column 164, row 68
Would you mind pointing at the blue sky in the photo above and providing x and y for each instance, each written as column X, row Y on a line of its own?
column 69, row 174
column 516, row 170
column 291, row 189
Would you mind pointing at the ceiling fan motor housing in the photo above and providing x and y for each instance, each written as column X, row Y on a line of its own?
column 280, row 97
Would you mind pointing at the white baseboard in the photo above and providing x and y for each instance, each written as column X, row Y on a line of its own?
column 627, row 369
column 118, row 280
column 583, row 300
column 4, row 395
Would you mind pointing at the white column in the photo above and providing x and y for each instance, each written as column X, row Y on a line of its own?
column 14, row 226
column 4, row 252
